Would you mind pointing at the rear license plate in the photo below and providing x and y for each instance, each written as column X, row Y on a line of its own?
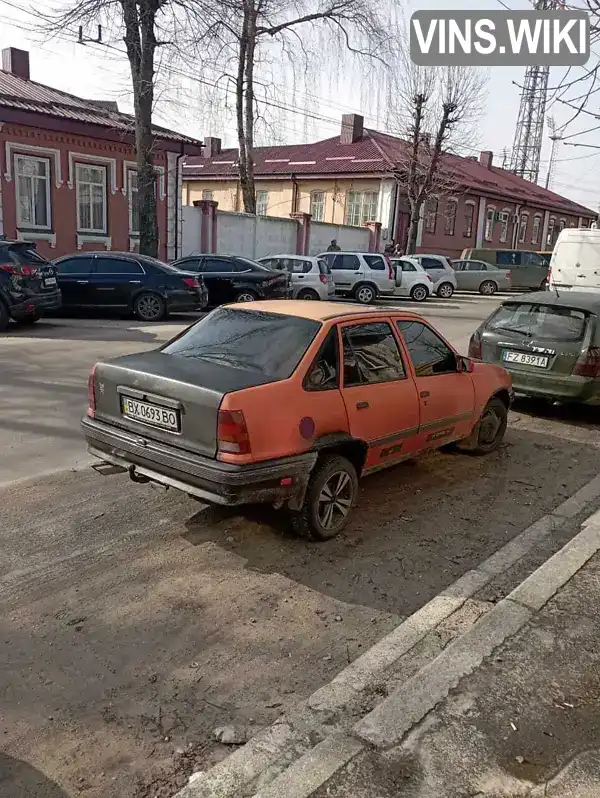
column 525, row 359
column 49, row 282
column 158, row 416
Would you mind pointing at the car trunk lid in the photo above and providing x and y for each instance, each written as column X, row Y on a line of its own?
column 537, row 338
column 167, row 398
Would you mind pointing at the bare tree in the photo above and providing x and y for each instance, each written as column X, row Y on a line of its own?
column 144, row 26
column 247, row 34
column 436, row 108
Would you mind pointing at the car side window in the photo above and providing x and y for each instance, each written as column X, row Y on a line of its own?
column 376, row 262
column 328, row 257
column 431, row 263
column 75, row 266
column 217, row 265
column 429, row 354
column 371, row 355
column 475, row 266
column 347, row 262
column 117, row 266
column 508, row 258
column 533, row 259
column 324, row 373
column 271, row 263
column 407, row 266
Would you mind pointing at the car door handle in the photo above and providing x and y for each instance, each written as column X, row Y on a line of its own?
column 362, row 405
column 82, row 282
column 424, row 394
column 135, row 282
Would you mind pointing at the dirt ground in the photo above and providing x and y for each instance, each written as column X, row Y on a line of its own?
column 132, row 627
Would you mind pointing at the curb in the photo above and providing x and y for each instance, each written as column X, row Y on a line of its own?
column 283, row 749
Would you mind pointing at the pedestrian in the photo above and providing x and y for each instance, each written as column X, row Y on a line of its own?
column 390, row 247
column 333, row 247
column 398, row 250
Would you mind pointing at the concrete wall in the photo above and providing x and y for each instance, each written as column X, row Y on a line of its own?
column 348, row 238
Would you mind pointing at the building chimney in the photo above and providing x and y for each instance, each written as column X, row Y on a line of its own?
column 16, row 62
column 485, row 158
column 352, row 128
column 212, row 147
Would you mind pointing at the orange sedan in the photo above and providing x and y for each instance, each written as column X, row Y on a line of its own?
column 289, row 403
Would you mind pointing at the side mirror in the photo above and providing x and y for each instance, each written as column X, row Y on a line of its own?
column 465, row 364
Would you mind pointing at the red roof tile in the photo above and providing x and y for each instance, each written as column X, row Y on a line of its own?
column 27, row 95
column 379, row 153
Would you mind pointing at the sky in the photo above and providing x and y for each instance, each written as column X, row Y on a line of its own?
column 310, row 112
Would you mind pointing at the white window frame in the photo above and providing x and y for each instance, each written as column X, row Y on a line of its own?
column 359, row 205
column 96, row 230
column 452, row 202
column 550, row 231
column 207, row 194
column 262, row 202
column 319, row 204
column 536, row 228
column 469, row 204
column 562, row 223
column 21, row 224
column 523, row 225
column 488, row 230
column 504, row 219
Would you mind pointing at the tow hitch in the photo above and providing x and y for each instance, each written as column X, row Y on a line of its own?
column 139, row 478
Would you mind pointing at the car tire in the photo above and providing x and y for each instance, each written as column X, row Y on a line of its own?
column 488, row 288
column 365, row 294
column 308, row 293
column 544, row 284
column 4, row 316
column 149, row 307
column 246, row 296
column 26, row 321
column 445, row 290
column 334, row 476
column 418, row 293
column 490, row 429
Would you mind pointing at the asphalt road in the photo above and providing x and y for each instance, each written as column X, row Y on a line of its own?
column 133, row 622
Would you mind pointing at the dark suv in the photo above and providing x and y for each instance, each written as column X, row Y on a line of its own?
column 28, row 285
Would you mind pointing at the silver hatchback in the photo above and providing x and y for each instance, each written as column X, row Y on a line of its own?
column 311, row 276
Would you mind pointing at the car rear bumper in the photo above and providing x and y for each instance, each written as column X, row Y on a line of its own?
column 567, row 388
column 210, row 480
column 183, row 301
column 37, row 304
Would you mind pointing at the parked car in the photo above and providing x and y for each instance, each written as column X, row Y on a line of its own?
column 311, row 276
column 575, row 263
column 549, row 342
column 226, row 416
column 528, row 269
column 411, row 279
column 441, row 272
column 128, row 282
column 361, row 275
column 230, row 278
column 28, row 286
column 476, row 275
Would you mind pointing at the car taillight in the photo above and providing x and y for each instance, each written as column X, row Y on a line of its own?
column 507, row 275
column 548, row 276
column 191, row 282
column 475, row 346
column 390, row 268
column 91, row 411
column 430, row 278
column 588, row 364
column 19, row 271
column 323, row 278
column 232, row 434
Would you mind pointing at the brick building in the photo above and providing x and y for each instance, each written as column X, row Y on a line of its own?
column 352, row 179
column 68, row 171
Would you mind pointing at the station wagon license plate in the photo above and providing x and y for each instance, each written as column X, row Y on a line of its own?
column 49, row 282
column 525, row 359
column 150, row 414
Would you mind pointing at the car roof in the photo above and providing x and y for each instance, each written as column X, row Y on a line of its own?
column 583, row 300
column 286, row 255
column 347, row 252
column 320, row 311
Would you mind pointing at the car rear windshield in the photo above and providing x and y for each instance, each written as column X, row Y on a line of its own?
column 248, row 339
column 541, row 322
column 23, row 255
column 324, row 267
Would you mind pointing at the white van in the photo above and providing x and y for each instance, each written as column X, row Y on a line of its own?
column 575, row 262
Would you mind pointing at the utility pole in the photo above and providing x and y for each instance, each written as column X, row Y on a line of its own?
column 555, row 138
column 527, row 144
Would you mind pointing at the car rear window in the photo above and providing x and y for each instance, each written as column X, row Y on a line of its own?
column 22, row 255
column 324, row 267
column 540, row 322
column 243, row 339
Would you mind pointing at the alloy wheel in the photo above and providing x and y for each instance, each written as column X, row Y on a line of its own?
column 335, row 500
column 419, row 293
column 488, row 288
column 446, row 290
column 149, row 307
column 365, row 295
column 245, row 296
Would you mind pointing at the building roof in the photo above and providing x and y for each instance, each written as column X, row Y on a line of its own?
column 378, row 153
column 29, row 96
